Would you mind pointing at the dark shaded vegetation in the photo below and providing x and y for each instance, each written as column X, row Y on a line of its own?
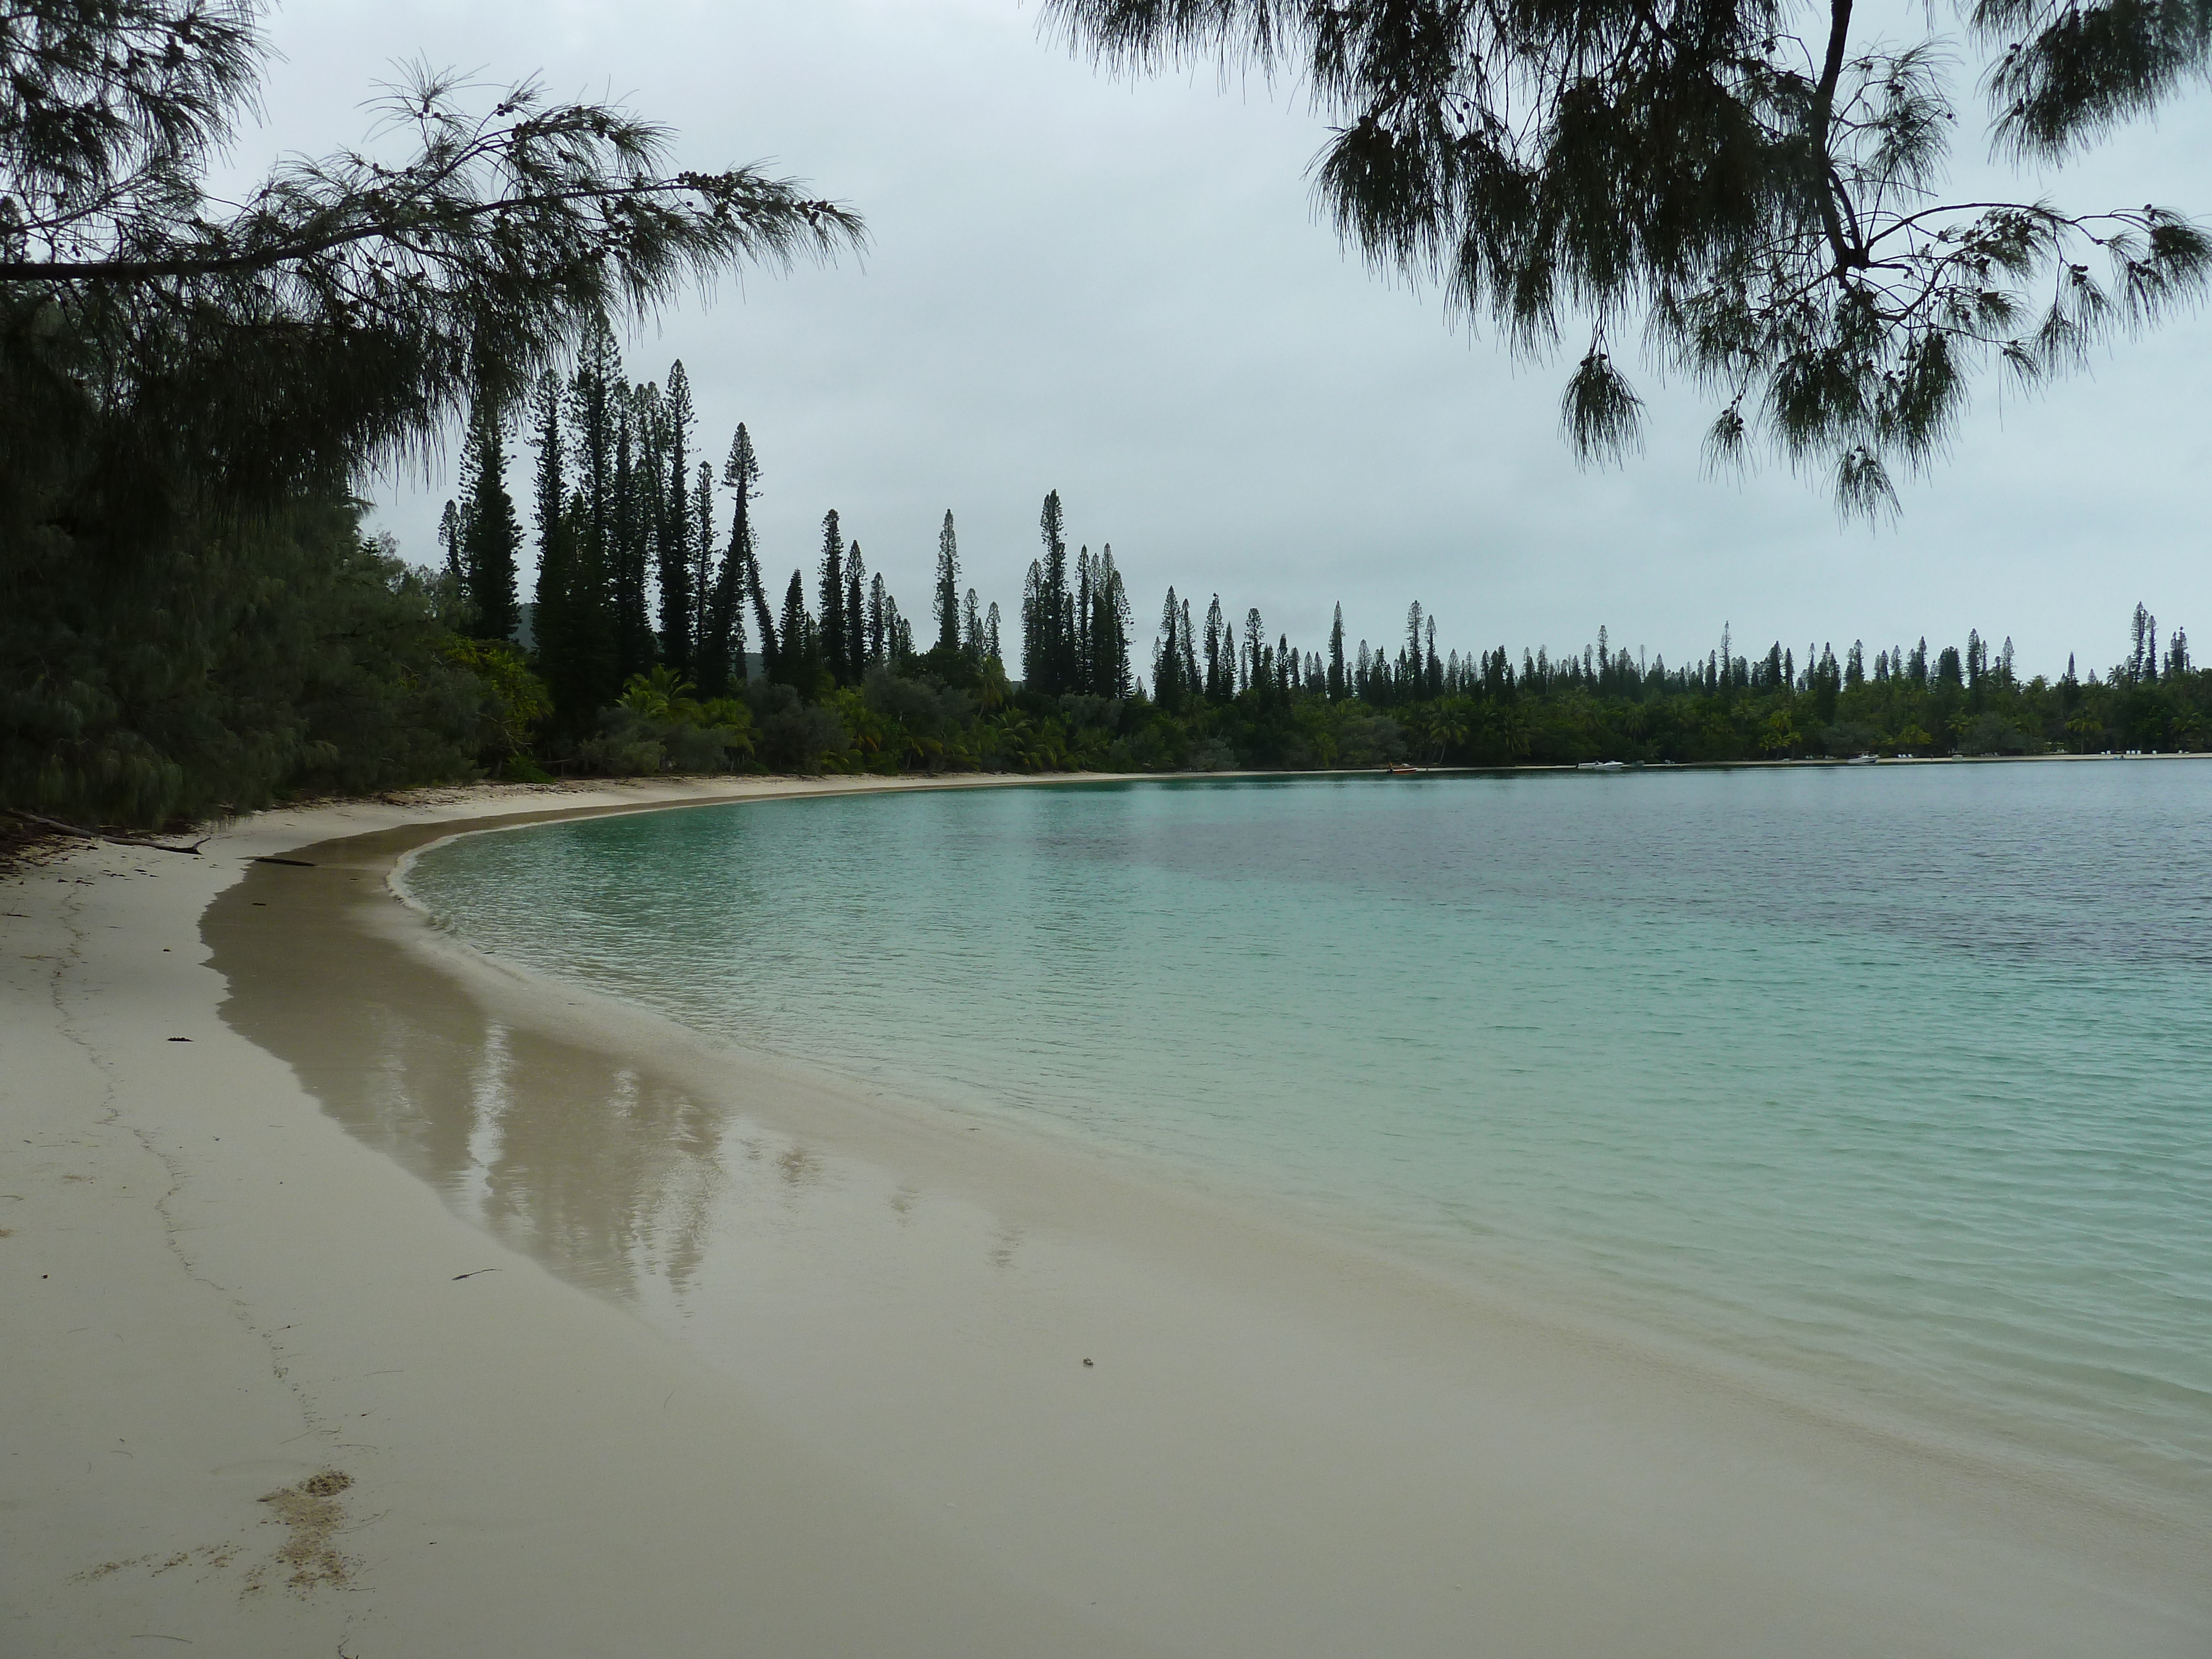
column 189, row 390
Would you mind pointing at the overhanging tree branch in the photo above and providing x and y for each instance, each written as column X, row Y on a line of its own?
column 1764, row 201
column 339, row 317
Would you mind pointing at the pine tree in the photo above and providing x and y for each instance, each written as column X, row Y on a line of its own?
column 629, row 518
column 452, row 536
column 990, row 651
column 548, row 479
column 854, row 668
column 741, row 473
column 701, row 575
column 1169, row 688
column 1336, row 656
column 593, row 392
column 882, row 615
column 771, row 646
column 1036, row 647
column 1080, row 650
column 831, row 596
column 1052, row 628
column 1220, row 679
column 948, row 586
column 589, row 680
column 799, row 643
column 596, row 397
column 722, row 640
column 490, row 537
column 564, row 613
column 971, row 629
column 679, row 589
column 1110, row 630
column 549, row 492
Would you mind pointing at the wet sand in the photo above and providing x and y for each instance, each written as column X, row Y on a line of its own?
column 627, row 1342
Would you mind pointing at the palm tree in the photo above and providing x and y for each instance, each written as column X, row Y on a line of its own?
column 1447, row 728
column 1779, row 736
column 660, row 694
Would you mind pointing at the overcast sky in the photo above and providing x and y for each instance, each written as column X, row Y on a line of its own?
column 1122, row 292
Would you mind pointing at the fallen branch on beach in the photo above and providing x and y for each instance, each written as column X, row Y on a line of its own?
column 45, row 822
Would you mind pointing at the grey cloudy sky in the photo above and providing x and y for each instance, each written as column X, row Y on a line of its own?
column 1122, row 292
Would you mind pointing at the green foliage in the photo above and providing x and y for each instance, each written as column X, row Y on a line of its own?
column 659, row 726
column 516, row 700
column 659, row 694
column 936, row 712
column 795, row 735
column 225, row 667
column 522, row 768
column 486, row 535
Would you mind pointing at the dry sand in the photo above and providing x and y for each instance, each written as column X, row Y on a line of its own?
column 412, row 1306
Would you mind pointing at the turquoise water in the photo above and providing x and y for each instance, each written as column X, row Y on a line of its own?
column 1895, row 1077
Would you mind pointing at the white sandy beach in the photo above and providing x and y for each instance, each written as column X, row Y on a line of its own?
column 272, row 1389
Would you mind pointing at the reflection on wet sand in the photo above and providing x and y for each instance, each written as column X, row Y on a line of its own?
column 607, row 1173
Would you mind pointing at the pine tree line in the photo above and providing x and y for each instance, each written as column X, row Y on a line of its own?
column 634, row 571
column 639, row 574
column 1075, row 635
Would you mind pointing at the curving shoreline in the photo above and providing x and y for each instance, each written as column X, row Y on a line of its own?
column 1281, row 1448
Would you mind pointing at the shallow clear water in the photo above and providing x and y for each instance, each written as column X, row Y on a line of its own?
column 1898, row 1078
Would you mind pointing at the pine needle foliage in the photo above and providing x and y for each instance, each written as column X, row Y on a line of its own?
column 1757, row 188
column 340, row 315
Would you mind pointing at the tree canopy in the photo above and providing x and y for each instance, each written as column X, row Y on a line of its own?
column 1749, row 184
column 345, row 310
column 192, row 389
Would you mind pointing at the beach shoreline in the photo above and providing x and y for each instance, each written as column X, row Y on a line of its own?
column 1274, row 1452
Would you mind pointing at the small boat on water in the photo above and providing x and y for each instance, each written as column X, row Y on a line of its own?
column 1402, row 770
column 1601, row 766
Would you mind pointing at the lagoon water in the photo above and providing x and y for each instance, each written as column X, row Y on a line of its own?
column 1895, row 1080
